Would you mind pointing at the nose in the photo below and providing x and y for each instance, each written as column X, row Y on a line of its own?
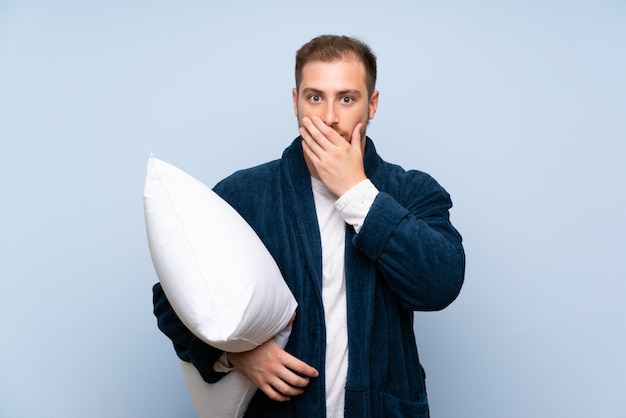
column 330, row 116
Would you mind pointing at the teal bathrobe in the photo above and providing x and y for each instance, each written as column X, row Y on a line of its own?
column 407, row 257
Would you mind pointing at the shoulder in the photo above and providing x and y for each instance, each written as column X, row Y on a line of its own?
column 399, row 182
column 418, row 191
column 248, row 179
column 260, row 179
column 394, row 178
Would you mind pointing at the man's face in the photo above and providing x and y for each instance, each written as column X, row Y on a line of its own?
column 335, row 92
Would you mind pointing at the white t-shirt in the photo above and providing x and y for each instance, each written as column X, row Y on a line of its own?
column 332, row 215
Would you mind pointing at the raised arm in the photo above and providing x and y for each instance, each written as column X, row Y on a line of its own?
column 410, row 238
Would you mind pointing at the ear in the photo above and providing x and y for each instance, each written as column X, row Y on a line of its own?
column 373, row 104
column 294, row 96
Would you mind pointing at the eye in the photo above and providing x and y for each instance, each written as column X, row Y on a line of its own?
column 315, row 98
column 347, row 99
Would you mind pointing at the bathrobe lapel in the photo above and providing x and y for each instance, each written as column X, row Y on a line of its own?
column 360, row 281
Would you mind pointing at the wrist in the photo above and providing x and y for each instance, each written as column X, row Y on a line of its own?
column 346, row 186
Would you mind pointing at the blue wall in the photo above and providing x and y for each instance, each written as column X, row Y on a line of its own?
column 517, row 108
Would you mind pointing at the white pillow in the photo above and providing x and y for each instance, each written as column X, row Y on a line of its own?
column 215, row 271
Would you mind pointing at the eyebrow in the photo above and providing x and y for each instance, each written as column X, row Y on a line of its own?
column 348, row 92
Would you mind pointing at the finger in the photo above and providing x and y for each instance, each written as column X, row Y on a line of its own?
column 328, row 134
column 284, row 388
column 314, row 133
column 292, row 379
column 309, row 145
column 274, row 394
column 300, row 367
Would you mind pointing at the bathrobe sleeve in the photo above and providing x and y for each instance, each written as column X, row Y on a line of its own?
column 188, row 347
column 408, row 235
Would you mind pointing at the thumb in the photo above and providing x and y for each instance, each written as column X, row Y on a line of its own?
column 355, row 139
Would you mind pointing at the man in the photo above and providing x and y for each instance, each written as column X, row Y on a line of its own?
column 361, row 243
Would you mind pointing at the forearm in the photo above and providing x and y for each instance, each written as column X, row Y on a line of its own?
column 419, row 253
column 187, row 346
